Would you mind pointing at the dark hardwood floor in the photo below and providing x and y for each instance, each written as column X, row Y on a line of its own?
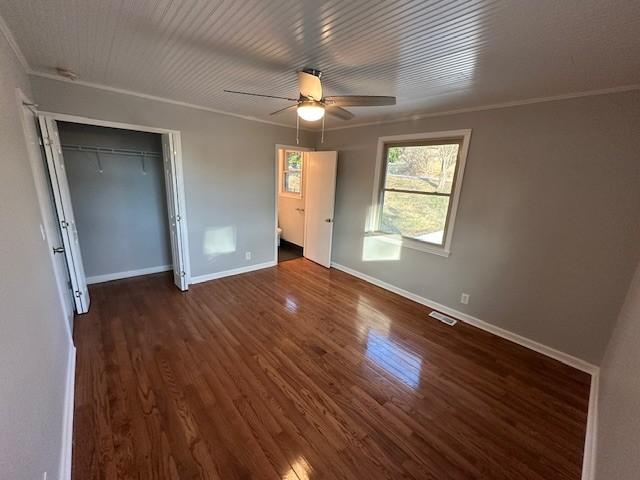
column 298, row 372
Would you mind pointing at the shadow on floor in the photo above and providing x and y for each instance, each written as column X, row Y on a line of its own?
column 288, row 251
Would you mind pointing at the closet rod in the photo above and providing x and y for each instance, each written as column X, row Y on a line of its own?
column 114, row 151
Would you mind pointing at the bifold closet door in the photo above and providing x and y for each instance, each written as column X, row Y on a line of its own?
column 319, row 201
column 64, row 210
column 175, row 212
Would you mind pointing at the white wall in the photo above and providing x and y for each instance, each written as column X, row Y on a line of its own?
column 121, row 213
column 291, row 210
column 618, row 439
column 229, row 168
column 547, row 229
column 34, row 344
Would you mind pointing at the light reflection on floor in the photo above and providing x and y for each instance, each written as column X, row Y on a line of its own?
column 394, row 359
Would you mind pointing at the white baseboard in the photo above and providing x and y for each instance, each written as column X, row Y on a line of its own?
column 590, row 442
column 235, row 271
column 67, row 419
column 128, row 274
column 476, row 322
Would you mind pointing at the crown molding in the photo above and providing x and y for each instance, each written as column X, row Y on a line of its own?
column 495, row 106
column 124, row 91
column 4, row 28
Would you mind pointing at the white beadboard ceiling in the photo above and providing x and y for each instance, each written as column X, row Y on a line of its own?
column 433, row 55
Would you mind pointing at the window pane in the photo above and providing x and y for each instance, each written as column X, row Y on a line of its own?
column 293, row 161
column 427, row 168
column 422, row 217
column 292, row 182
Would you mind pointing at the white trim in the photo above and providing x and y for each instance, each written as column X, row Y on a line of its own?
column 476, row 322
column 128, row 274
column 124, row 91
column 65, row 117
column 64, row 471
column 4, row 28
column 494, row 106
column 374, row 214
column 234, row 271
column 281, row 146
column 590, row 442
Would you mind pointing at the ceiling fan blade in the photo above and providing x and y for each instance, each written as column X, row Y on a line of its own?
column 339, row 112
column 261, row 95
column 284, row 109
column 359, row 101
column 310, row 86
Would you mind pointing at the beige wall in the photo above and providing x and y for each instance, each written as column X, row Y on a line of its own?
column 34, row 344
column 229, row 168
column 618, row 440
column 547, row 228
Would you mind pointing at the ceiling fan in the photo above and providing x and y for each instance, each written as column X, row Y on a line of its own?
column 311, row 105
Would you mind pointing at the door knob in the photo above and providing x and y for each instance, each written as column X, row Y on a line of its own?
column 328, row 220
column 58, row 249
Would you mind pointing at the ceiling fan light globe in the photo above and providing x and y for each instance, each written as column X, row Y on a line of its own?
column 310, row 112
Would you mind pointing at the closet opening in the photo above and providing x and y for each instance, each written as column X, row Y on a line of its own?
column 119, row 201
column 117, row 186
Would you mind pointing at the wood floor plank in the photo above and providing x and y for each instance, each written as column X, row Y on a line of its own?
column 299, row 372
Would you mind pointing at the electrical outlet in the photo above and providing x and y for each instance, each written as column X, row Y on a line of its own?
column 464, row 298
column 247, row 255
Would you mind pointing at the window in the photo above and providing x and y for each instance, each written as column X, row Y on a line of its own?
column 292, row 173
column 419, row 180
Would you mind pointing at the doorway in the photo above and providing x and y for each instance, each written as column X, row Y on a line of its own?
column 305, row 194
column 291, row 165
column 118, row 199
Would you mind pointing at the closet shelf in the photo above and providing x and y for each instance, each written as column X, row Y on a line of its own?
column 113, row 151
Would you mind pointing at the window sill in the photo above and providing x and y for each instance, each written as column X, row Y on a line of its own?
column 395, row 239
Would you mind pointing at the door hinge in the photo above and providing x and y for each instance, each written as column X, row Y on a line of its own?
column 178, row 218
column 46, row 140
column 40, row 142
column 183, row 273
column 64, row 224
column 78, row 293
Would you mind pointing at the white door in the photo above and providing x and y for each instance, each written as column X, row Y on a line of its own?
column 47, row 211
column 319, row 202
column 176, row 213
column 64, row 210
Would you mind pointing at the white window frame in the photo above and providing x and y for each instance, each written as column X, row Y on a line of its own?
column 373, row 224
column 283, row 161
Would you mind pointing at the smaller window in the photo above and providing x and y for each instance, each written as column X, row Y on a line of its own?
column 292, row 173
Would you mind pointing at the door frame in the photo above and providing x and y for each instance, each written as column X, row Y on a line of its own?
column 282, row 146
column 176, row 159
column 45, row 206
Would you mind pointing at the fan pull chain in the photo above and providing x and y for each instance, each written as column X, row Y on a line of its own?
column 297, row 130
column 322, row 135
